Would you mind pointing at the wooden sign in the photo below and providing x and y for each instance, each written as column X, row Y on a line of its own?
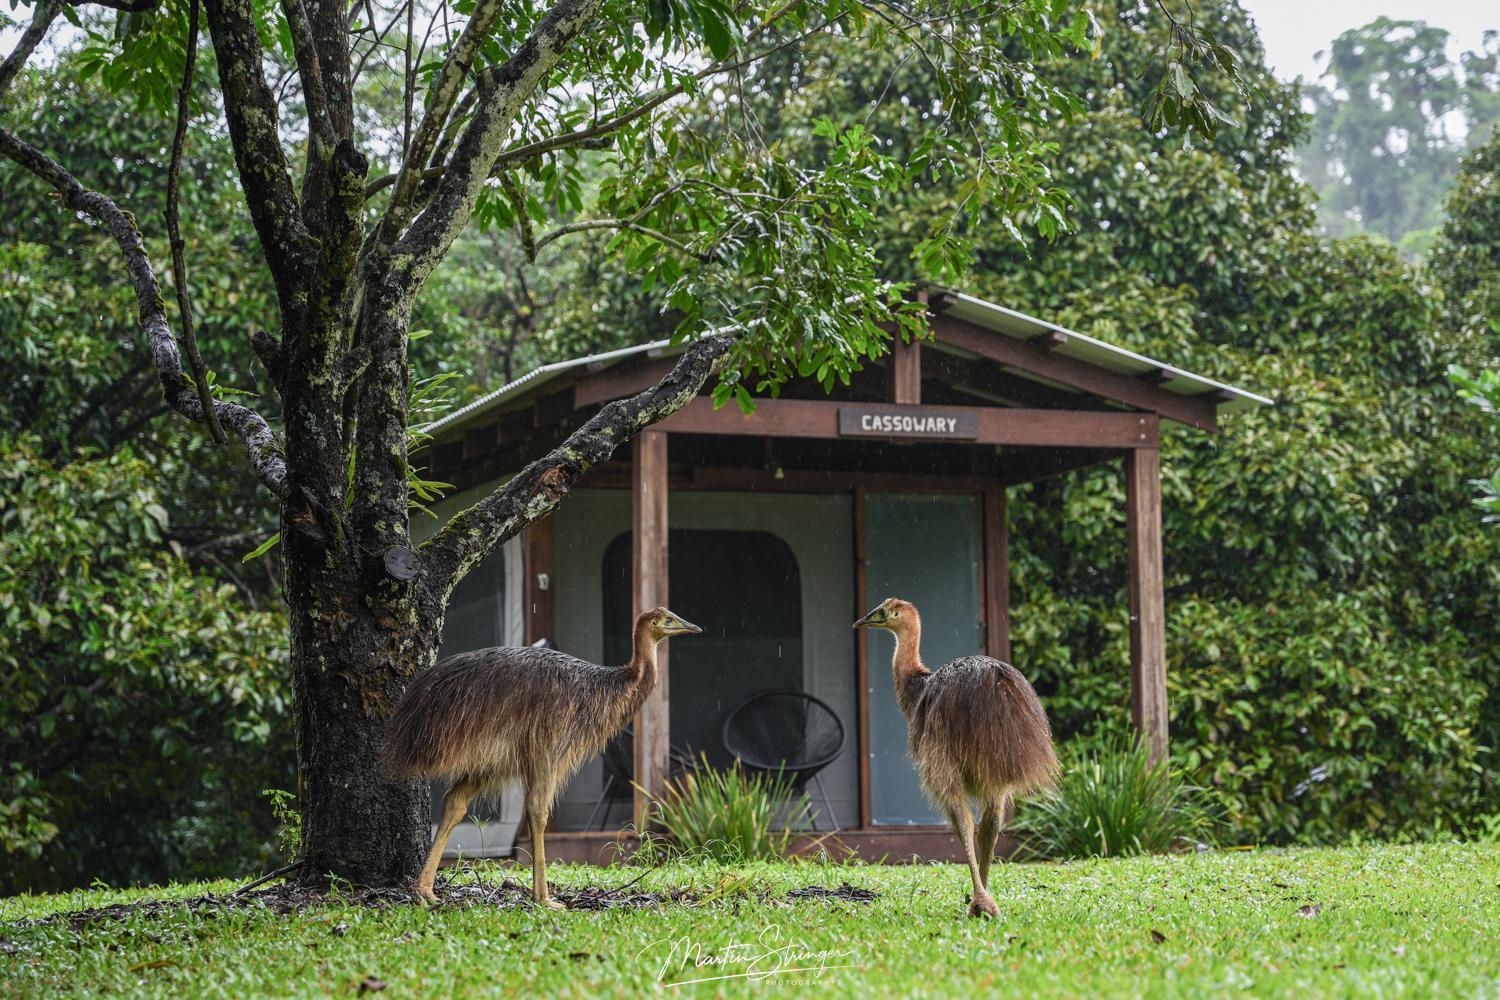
column 908, row 422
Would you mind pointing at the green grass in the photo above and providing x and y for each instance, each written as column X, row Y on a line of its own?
column 1386, row 920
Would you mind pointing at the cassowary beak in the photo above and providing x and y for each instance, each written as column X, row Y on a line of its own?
column 871, row 620
column 685, row 627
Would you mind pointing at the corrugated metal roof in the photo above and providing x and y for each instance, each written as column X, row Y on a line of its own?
column 536, row 378
column 1007, row 322
column 1020, row 326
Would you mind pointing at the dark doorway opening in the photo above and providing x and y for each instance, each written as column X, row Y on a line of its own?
column 745, row 589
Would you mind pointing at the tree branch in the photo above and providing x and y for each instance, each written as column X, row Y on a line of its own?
column 314, row 95
column 46, row 12
column 501, row 92
column 588, row 225
column 174, row 230
column 537, row 489
column 251, row 110
column 440, row 99
column 260, row 443
column 597, row 136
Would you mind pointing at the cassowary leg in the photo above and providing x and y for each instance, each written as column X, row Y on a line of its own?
column 982, row 904
column 990, row 825
column 537, row 810
column 455, row 807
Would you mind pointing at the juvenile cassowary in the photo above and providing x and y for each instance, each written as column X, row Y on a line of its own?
column 977, row 731
column 486, row 718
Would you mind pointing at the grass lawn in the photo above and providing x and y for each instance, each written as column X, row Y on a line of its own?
column 1421, row 920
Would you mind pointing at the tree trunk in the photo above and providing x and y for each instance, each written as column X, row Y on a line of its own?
column 355, row 644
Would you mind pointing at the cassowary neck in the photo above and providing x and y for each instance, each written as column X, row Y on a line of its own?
column 907, row 665
column 642, row 665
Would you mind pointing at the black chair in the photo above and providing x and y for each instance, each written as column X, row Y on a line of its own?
column 787, row 733
column 619, row 769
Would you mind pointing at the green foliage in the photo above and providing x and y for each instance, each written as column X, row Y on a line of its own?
column 1318, row 715
column 729, row 815
column 1483, row 390
column 1466, row 259
column 137, row 697
column 1111, row 802
column 732, row 223
column 288, row 821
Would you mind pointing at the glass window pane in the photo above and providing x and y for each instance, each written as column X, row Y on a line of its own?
column 476, row 610
column 923, row 549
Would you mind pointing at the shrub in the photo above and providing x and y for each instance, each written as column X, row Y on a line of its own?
column 141, row 704
column 729, row 815
column 1112, row 803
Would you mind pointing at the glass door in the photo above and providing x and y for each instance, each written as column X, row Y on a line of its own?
column 923, row 549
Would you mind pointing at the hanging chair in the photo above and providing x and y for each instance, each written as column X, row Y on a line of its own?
column 619, row 769
column 787, row 733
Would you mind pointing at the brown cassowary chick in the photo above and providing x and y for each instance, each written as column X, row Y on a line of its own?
column 977, row 731
column 486, row 718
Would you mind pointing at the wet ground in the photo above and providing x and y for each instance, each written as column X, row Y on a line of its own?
column 505, row 894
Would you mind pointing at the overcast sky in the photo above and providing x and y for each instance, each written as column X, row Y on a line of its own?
column 1293, row 30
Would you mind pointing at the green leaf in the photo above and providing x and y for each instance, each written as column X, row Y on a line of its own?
column 262, row 548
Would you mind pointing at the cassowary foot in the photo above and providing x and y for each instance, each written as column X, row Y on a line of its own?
column 424, row 894
column 548, row 903
column 984, row 906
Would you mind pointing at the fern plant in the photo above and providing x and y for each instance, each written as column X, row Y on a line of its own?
column 1112, row 802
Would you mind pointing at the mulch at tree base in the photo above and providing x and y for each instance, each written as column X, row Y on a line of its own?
column 507, row 894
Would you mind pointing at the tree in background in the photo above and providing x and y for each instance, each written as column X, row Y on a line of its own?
column 1390, row 124
column 500, row 122
column 1466, row 264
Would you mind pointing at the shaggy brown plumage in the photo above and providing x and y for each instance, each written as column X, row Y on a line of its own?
column 489, row 717
column 977, row 731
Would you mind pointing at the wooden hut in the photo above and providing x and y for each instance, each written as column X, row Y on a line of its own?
column 775, row 530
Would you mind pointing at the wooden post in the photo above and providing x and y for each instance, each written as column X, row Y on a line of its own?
column 996, row 575
column 648, row 496
column 539, row 557
column 1148, row 620
column 904, row 372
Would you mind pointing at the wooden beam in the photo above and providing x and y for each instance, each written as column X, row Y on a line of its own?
column 648, row 498
column 938, row 302
column 1196, row 411
column 1148, row 642
column 903, row 372
column 976, row 376
column 861, row 660
column 815, row 418
column 996, row 575
column 621, row 381
column 613, row 475
column 481, row 440
column 1051, row 339
column 1035, row 467
column 539, row 557
column 553, row 407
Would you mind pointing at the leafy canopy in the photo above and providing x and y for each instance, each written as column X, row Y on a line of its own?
column 642, row 132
